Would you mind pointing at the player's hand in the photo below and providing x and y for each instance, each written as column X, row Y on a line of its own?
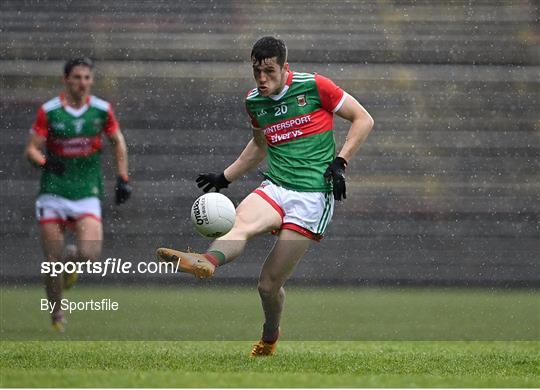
column 54, row 165
column 122, row 190
column 336, row 173
column 209, row 180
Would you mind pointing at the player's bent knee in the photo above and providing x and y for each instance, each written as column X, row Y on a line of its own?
column 90, row 252
column 243, row 229
column 268, row 288
column 85, row 256
column 235, row 234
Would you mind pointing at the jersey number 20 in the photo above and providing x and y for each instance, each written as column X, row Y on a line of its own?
column 280, row 110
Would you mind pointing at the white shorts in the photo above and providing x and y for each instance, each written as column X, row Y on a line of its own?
column 56, row 209
column 307, row 213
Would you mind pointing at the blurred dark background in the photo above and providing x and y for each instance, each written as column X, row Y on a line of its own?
column 444, row 192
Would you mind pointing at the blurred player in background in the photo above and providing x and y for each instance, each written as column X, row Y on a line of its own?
column 292, row 118
column 65, row 142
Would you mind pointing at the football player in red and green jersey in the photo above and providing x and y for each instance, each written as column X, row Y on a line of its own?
column 292, row 118
column 65, row 142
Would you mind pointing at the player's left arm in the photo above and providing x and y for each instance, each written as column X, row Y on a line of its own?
column 118, row 144
column 111, row 128
column 361, row 125
column 122, row 188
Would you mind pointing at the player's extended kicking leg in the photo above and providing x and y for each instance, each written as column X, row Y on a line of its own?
column 52, row 242
column 277, row 268
column 254, row 216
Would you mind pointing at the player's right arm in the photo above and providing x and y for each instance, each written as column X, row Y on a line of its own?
column 251, row 156
column 36, row 145
column 34, row 154
column 34, row 149
column 37, row 139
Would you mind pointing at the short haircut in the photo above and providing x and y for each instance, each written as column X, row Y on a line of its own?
column 82, row 61
column 268, row 47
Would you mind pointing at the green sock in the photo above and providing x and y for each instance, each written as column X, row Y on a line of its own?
column 218, row 255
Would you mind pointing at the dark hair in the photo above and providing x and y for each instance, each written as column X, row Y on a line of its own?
column 268, row 47
column 70, row 64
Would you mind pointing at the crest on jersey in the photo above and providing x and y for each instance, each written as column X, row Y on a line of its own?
column 78, row 123
column 98, row 124
column 301, row 100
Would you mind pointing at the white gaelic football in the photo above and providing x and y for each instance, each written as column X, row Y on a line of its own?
column 213, row 214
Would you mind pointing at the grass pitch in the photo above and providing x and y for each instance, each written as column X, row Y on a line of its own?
column 298, row 364
column 211, row 313
column 115, row 353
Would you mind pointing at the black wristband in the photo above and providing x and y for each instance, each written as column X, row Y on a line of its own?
column 342, row 162
column 222, row 180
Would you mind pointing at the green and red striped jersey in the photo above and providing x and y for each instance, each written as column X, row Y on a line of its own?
column 74, row 136
column 298, row 126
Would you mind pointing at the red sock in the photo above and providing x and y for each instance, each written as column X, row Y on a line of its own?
column 212, row 259
column 215, row 257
